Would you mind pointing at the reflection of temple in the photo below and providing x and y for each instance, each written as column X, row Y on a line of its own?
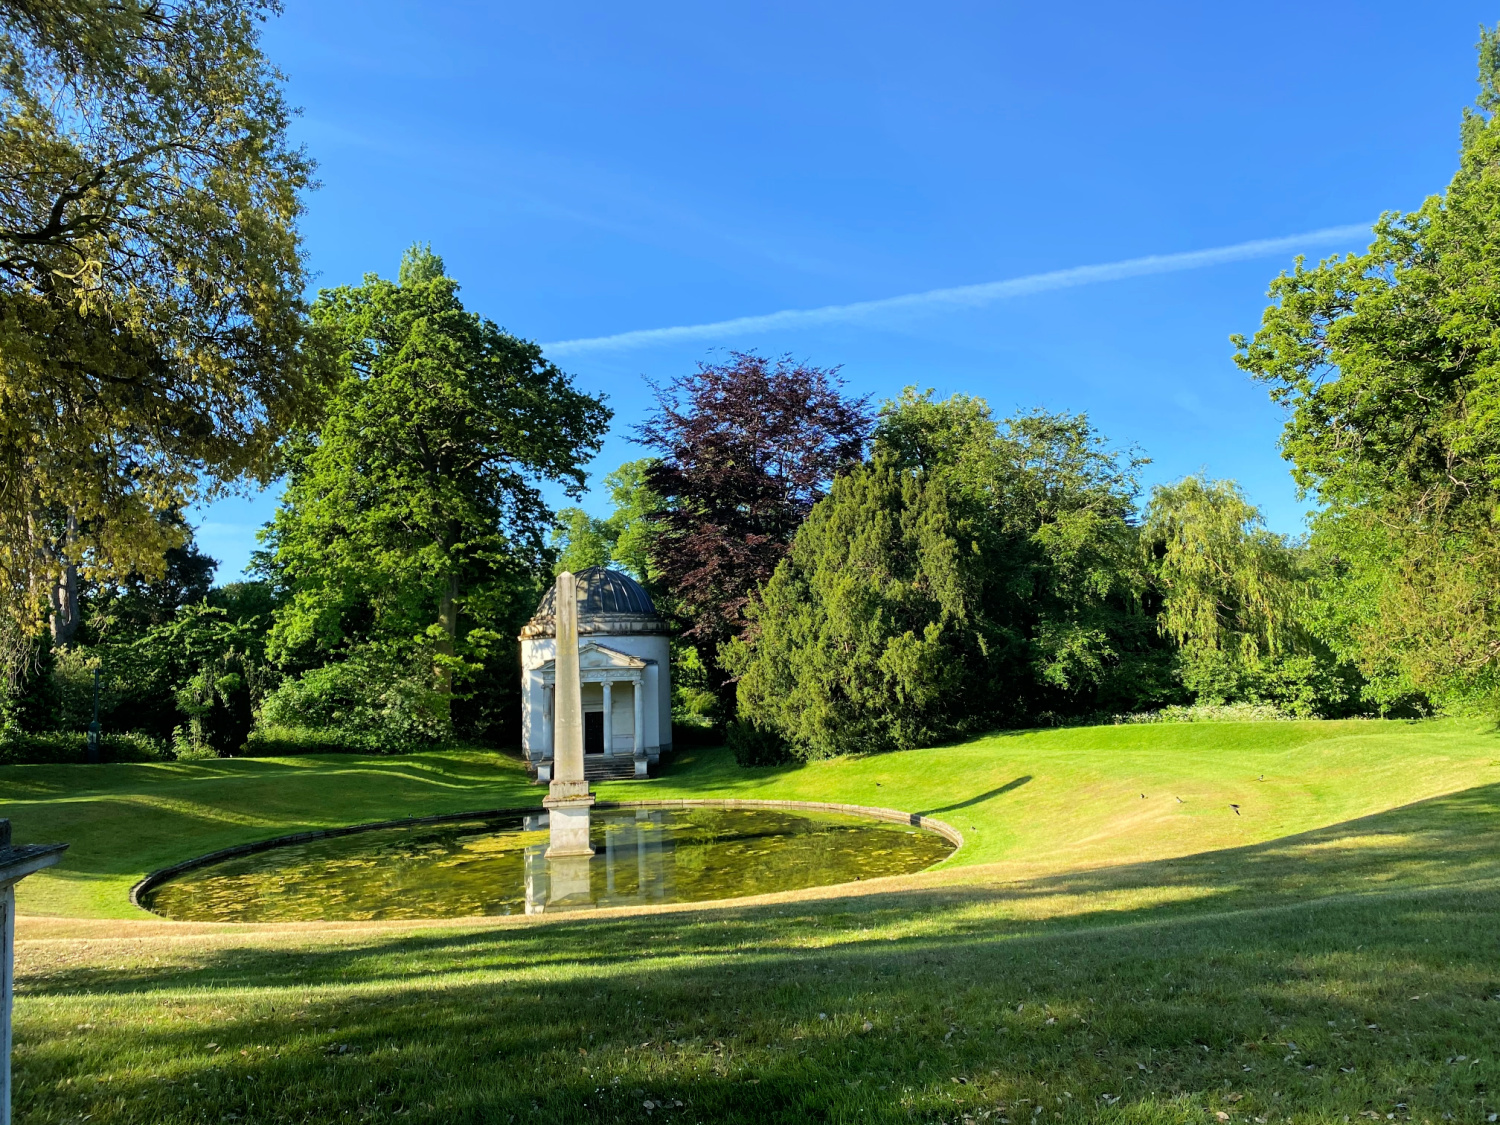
column 625, row 673
column 634, row 868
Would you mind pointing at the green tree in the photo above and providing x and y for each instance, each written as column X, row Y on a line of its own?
column 868, row 635
column 581, row 541
column 1387, row 363
column 153, row 345
column 177, row 661
column 625, row 539
column 972, row 574
column 1229, row 585
column 1053, row 508
column 1241, row 603
column 414, row 517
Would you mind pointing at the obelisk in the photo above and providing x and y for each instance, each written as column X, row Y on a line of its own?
column 568, row 798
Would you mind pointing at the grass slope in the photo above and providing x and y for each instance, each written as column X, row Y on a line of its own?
column 1089, row 955
column 1035, row 801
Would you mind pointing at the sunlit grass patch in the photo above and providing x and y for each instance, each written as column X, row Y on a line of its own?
column 1329, row 952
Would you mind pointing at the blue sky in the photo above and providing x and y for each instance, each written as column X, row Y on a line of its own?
column 591, row 170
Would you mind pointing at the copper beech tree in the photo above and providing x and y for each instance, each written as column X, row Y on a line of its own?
column 745, row 449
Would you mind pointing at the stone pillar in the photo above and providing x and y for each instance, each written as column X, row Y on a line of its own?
column 15, row 864
column 638, row 750
column 549, row 748
column 568, row 797
column 7, row 991
column 609, row 717
column 542, row 755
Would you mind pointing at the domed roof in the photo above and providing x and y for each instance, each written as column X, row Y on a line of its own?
column 608, row 602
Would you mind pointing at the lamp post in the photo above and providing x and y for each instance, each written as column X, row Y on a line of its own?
column 16, row 862
column 93, row 754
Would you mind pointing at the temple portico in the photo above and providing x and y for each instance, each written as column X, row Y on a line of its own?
column 623, row 664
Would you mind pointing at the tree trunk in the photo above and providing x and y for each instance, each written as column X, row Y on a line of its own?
column 448, row 622
column 64, row 592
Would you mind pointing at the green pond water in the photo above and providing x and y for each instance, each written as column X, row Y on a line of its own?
column 497, row 866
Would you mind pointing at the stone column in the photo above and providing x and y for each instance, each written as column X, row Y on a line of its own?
column 640, row 719
column 609, row 718
column 568, row 797
column 547, row 711
column 638, row 750
column 546, row 752
column 15, row 864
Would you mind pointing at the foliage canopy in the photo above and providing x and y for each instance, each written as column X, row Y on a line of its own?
column 152, row 329
column 1389, row 363
column 971, row 574
column 414, row 518
column 624, row 539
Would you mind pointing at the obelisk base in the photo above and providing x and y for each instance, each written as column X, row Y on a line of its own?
column 568, row 804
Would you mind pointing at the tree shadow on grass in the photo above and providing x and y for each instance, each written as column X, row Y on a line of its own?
column 1015, row 783
column 1444, row 842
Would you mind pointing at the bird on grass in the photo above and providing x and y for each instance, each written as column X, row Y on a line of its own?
column 1236, row 809
column 1180, row 801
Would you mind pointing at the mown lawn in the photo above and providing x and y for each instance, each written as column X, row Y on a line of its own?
column 1330, row 950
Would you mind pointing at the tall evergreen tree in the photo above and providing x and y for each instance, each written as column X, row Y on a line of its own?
column 870, row 635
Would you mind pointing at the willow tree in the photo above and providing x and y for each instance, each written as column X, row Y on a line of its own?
column 1246, row 607
column 1229, row 585
column 152, row 344
column 416, row 510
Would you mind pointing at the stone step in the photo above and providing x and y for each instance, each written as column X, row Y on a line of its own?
column 600, row 767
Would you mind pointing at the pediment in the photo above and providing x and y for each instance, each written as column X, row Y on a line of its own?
column 593, row 657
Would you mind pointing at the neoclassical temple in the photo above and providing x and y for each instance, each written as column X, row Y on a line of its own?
column 626, row 672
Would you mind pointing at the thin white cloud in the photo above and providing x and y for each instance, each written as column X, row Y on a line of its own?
column 960, row 297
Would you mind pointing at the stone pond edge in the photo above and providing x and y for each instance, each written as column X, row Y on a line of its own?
column 893, row 816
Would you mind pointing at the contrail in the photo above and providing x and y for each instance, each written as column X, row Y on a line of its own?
column 963, row 296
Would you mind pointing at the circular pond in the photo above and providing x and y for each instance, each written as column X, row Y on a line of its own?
column 497, row 865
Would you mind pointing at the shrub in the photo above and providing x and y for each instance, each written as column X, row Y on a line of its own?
column 379, row 700
column 1305, row 686
column 1210, row 713
column 755, row 747
column 63, row 747
column 278, row 742
column 285, row 742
